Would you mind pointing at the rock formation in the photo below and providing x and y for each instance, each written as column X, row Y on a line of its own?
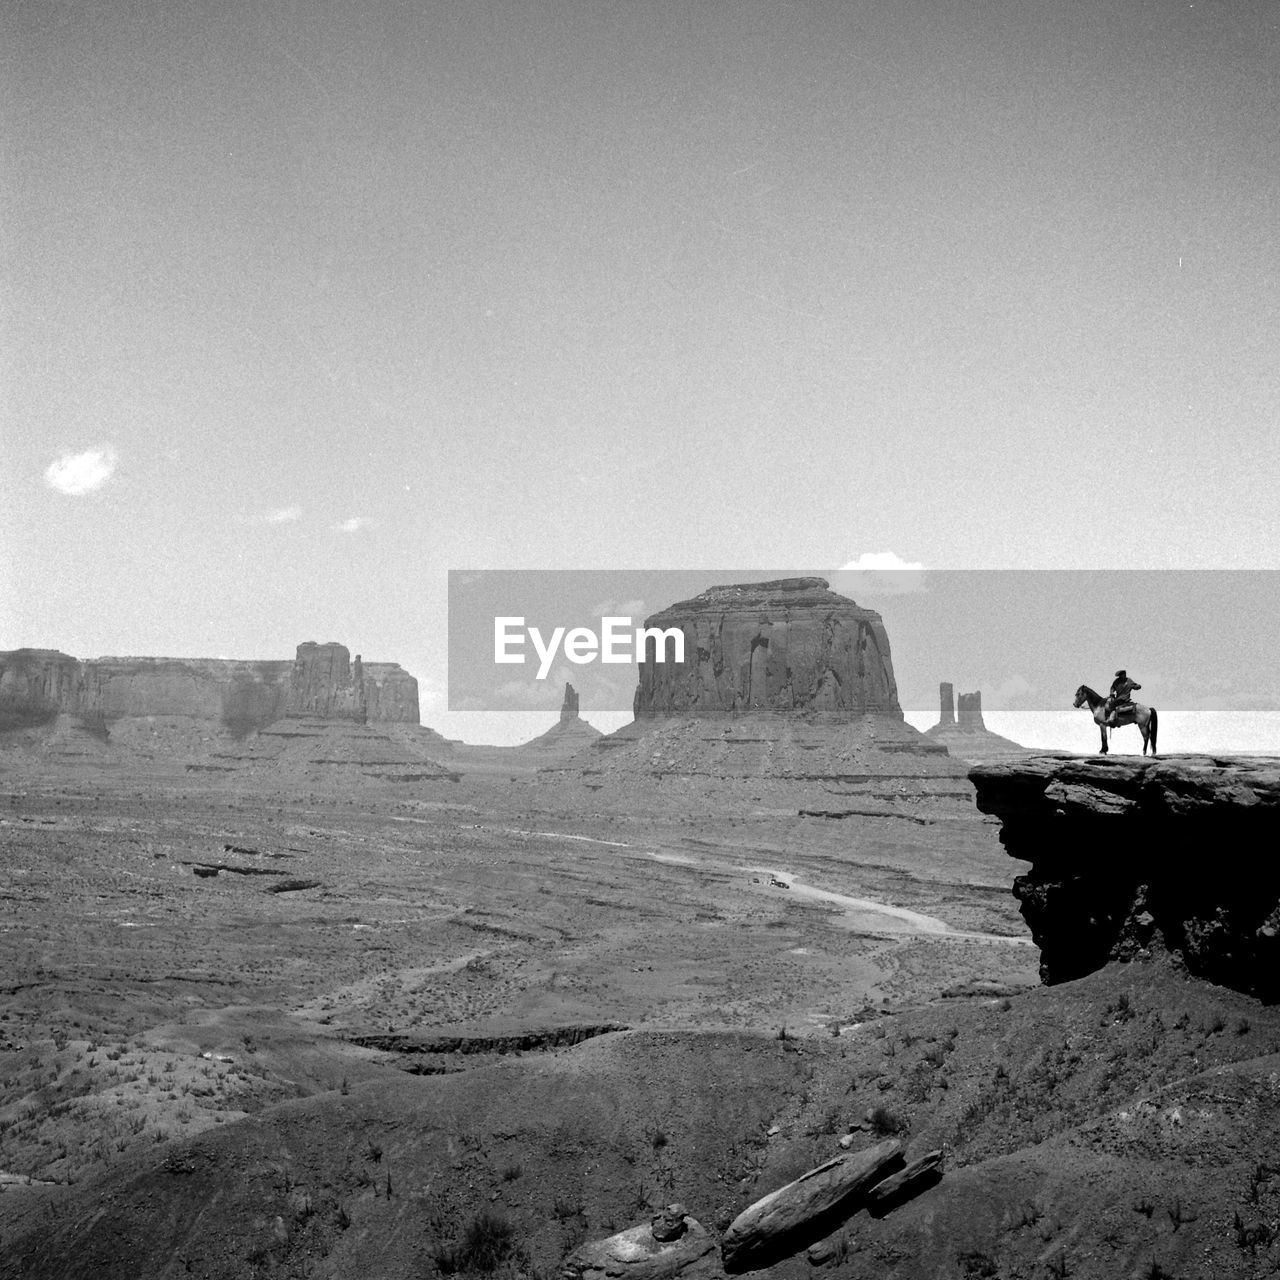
column 569, row 709
column 969, row 708
column 39, row 685
column 671, row 1244
column 569, row 735
column 323, row 684
column 785, row 701
column 807, row 1209
column 946, row 694
column 790, row 647
column 36, row 685
column 1130, row 856
column 968, row 738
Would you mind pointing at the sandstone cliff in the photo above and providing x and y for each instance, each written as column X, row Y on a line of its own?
column 569, row 708
column 324, row 683
column 791, row 647
column 38, row 685
column 1131, row 855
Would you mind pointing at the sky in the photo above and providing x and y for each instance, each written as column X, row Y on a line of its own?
column 1026, row 639
column 304, row 305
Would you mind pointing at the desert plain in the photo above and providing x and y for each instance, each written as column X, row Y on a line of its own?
column 469, row 1015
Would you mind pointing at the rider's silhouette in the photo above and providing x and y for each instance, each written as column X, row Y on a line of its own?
column 1121, row 693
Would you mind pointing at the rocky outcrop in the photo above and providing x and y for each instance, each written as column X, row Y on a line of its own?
column 324, row 683
column 791, row 647
column 906, row 1184
column 807, row 1209
column 968, row 737
column 671, row 1244
column 38, row 685
column 569, row 735
column 1131, row 856
column 390, row 693
column 947, row 713
column 569, row 708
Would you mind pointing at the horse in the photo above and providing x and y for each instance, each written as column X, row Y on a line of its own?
column 1145, row 718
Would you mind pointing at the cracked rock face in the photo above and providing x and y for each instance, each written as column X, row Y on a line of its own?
column 1131, row 855
column 791, row 647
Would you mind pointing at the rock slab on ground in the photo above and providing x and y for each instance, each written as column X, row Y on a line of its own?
column 640, row 1254
column 906, row 1184
column 807, row 1209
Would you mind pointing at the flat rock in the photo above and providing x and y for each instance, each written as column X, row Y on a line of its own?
column 906, row 1184
column 807, row 1209
column 639, row 1255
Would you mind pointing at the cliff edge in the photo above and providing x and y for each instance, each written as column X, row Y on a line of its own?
column 1130, row 856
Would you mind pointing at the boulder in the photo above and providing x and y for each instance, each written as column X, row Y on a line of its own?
column 807, row 1209
column 669, row 1224
column 905, row 1185
column 640, row 1254
column 790, row 647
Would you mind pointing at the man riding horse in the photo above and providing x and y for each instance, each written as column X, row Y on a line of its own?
column 1120, row 701
column 1119, row 708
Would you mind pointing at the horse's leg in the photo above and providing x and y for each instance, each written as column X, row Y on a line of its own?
column 1102, row 729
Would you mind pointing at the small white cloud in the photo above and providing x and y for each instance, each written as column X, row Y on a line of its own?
column 883, row 573
column 80, row 473
column 282, row 515
column 620, row 609
column 353, row 524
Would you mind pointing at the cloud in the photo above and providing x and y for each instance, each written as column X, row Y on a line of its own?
column 80, row 473
column 353, row 524
column 282, row 515
column 882, row 573
column 620, row 609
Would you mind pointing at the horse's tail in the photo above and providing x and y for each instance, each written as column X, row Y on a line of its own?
column 1155, row 725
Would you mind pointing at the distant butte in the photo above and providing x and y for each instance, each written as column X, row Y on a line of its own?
column 39, row 685
column 967, row 737
column 785, row 702
column 790, row 647
column 569, row 734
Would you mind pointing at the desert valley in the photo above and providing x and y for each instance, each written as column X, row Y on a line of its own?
column 294, row 986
